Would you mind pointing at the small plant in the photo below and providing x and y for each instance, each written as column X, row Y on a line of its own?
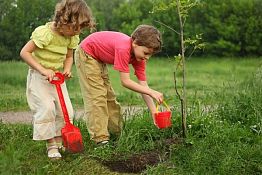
column 182, row 7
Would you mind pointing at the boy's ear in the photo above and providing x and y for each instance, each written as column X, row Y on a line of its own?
column 134, row 44
column 134, row 41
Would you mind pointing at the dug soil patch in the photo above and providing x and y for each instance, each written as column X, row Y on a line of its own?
column 137, row 163
column 134, row 164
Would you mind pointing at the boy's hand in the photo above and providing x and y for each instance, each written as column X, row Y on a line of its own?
column 158, row 96
column 153, row 117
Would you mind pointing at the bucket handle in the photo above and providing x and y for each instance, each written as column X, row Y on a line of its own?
column 157, row 106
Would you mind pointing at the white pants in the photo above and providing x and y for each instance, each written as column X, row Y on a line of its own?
column 42, row 98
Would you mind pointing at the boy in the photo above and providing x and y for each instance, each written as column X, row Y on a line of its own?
column 102, row 111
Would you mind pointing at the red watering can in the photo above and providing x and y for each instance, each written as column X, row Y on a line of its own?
column 163, row 119
column 71, row 135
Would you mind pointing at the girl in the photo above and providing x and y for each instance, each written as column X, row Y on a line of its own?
column 50, row 50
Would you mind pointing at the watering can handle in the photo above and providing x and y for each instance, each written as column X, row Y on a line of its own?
column 157, row 106
column 59, row 79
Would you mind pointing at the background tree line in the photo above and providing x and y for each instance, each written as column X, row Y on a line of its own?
column 228, row 27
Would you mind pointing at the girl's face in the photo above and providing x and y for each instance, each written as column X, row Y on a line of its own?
column 141, row 52
column 69, row 30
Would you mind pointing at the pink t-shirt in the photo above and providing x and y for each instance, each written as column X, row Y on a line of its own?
column 113, row 48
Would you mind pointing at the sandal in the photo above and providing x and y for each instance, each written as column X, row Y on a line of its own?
column 60, row 146
column 53, row 153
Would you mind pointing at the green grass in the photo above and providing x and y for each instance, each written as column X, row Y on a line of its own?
column 224, row 125
column 20, row 155
column 204, row 77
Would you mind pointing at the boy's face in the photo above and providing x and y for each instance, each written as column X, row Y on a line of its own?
column 141, row 52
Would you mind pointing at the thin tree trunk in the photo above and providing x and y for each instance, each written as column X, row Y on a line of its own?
column 183, row 102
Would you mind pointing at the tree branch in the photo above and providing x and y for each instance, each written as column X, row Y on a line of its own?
column 168, row 27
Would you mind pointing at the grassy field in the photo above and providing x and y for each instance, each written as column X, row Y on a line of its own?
column 224, row 125
column 204, row 77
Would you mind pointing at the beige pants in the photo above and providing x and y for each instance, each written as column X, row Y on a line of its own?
column 43, row 100
column 102, row 111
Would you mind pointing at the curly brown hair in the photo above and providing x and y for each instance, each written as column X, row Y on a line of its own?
column 148, row 36
column 74, row 12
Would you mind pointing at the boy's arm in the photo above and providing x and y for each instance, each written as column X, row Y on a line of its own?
column 26, row 55
column 141, row 88
column 68, row 63
column 148, row 100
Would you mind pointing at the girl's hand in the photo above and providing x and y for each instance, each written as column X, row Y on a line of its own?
column 48, row 73
column 67, row 74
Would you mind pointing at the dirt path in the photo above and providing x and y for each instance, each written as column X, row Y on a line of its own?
column 26, row 116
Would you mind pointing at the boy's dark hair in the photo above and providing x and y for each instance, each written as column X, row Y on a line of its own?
column 148, row 36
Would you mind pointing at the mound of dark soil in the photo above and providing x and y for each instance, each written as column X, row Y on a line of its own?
column 137, row 163
column 134, row 164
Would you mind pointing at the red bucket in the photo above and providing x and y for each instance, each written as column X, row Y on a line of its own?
column 163, row 119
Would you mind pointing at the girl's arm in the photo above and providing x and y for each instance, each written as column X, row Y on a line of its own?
column 68, row 63
column 141, row 88
column 26, row 55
